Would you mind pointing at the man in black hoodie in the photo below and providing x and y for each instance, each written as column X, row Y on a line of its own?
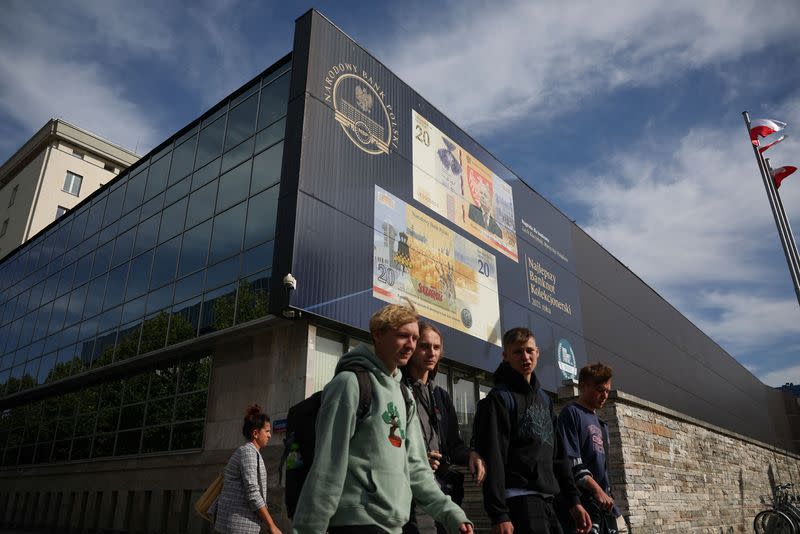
column 526, row 465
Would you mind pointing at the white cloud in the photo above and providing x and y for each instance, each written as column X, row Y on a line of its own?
column 782, row 376
column 501, row 62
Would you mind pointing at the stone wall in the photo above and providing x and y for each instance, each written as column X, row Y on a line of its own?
column 673, row 473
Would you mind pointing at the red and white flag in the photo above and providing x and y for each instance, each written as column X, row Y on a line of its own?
column 775, row 142
column 763, row 128
column 781, row 173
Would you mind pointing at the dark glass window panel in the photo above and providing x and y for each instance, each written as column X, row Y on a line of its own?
column 152, row 206
column 160, row 411
column 172, row 220
column 81, row 448
column 262, row 212
column 59, row 313
column 163, row 382
column 138, row 275
column 274, row 101
column 129, row 221
column 45, row 368
column 77, row 299
column 104, row 348
column 241, row 122
column 135, row 191
column 65, row 279
column 34, row 350
column 194, row 375
column 186, row 135
column 95, row 216
column 165, row 262
column 70, row 335
column 102, row 258
column 94, row 297
column 107, row 419
column 63, row 366
column 29, row 377
column 65, row 428
column 222, row 273
column 82, row 270
column 116, row 286
column 61, row 451
column 84, row 424
column 157, row 177
column 131, row 417
column 189, row 287
column 22, row 304
column 184, row 321
column 146, row 234
column 233, row 186
column 128, row 342
column 109, row 319
column 33, row 255
column 43, row 451
column 114, row 206
column 179, row 190
column 154, row 332
column 108, row 233
column 267, row 168
column 123, row 247
column 191, row 406
column 182, row 160
column 194, row 250
column 25, row 455
column 218, row 112
column 270, row 135
column 78, row 226
column 206, row 174
column 253, row 297
column 49, row 293
column 89, row 400
column 210, row 143
column 187, row 436
column 159, row 299
column 133, row 309
column 155, row 439
column 11, row 306
column 136, row 389
column 42, row 320
column 201, row 204
column 103, row 445
column 237, row 155
column 258, row 258
column 10, row 456
column 218, row 309
column 128, row 442
column 226, row 236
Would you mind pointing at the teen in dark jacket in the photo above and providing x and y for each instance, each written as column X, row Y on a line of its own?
column 525, row 460
column 439, row 425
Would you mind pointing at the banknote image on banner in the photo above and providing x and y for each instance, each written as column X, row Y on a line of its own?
column 454, row 184
column 447, row 278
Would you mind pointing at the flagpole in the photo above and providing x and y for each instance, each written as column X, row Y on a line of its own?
column 782, row 212
column 782, row 223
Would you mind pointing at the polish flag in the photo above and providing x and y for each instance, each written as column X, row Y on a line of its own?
column 763, row 128
column 765, row 147
column 779, row 174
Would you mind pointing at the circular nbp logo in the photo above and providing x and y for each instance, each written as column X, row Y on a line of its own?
column 361, row 112
column 566, row 360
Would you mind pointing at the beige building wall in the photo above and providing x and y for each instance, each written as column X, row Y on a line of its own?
column 38, row 170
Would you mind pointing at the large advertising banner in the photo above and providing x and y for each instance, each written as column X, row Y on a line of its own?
column 446, row 277
column 454, row 184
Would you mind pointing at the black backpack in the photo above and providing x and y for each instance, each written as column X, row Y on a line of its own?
column 301, row 433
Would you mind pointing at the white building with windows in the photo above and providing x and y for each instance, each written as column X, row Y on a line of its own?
column 51, row 173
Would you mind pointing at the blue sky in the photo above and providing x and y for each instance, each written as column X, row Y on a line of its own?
column 626, row 115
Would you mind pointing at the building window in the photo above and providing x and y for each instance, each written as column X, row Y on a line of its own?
column 78, row 154
column 61, row 210
column 72, row 183
column 13, row 195
column 4, row 228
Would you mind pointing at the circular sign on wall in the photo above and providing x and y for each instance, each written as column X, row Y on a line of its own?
column 566, row 360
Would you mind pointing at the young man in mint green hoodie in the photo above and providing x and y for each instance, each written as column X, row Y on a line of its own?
column 366, row 472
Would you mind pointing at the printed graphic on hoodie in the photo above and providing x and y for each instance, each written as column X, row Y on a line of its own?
column 391, row 416
column 536, row 423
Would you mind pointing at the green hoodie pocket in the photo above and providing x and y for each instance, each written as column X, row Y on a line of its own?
column 388, row 493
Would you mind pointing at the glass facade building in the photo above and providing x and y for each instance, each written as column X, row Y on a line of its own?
column 177, row 247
